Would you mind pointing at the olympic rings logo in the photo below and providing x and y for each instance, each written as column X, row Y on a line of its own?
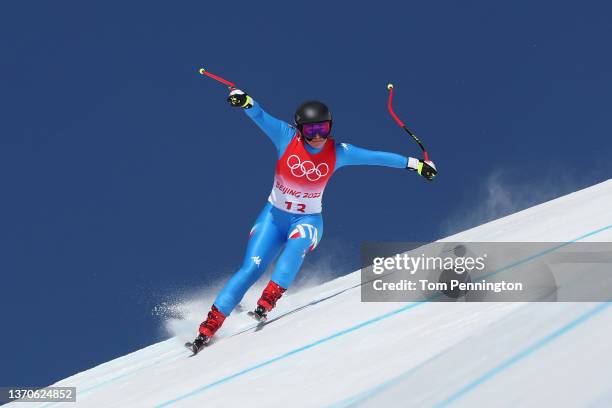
column 306, row 168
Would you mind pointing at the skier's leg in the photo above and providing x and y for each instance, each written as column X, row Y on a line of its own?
column 264, row 244
column 265, row 240
column 304, row 235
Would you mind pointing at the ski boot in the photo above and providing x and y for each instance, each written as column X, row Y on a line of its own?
column 267, row 301
column 208, row 328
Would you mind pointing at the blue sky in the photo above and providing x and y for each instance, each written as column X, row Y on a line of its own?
column 126, row 178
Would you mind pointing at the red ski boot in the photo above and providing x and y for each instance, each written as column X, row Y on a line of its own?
column 267, row 301
column 207, row 329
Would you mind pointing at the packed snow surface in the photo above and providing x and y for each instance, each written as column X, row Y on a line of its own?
column 341, row 352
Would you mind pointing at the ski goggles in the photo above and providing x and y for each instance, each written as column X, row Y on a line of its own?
column 310, row 130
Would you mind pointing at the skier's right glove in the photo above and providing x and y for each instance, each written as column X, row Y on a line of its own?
column 239, row 99
column 426, row 169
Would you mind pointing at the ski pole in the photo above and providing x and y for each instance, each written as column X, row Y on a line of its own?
column 217, row 78
column 402, row 125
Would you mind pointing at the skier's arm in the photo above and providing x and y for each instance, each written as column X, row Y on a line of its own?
column 349, row 155
column 279, row 132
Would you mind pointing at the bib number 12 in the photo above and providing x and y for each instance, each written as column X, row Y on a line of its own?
column 299, row 206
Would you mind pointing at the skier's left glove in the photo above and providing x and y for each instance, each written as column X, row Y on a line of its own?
column 239, row 99
column 426, row 169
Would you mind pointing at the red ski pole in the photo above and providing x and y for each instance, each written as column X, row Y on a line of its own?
column 402, row 125
column 217, row 78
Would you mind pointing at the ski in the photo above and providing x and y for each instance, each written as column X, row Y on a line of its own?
column 262, row 323
column 261, row 320
column 198, row 344
column 257, row 317
column 189, row 346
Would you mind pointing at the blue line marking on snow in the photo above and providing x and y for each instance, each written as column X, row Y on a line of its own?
column 523, row 354
column 364, row 395
column 290, row 353
column 360, row 326
column 384, row 385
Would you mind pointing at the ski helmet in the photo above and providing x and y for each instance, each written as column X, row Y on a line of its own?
column 312, row 112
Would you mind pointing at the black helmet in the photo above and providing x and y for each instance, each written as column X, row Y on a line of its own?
column 312, row 112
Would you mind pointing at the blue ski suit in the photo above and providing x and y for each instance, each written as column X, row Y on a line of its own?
column 274, row 226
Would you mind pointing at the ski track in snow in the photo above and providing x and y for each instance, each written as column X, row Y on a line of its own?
column 347, row 353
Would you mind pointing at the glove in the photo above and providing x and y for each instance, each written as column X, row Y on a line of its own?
column 426, row 169
column 239, row 99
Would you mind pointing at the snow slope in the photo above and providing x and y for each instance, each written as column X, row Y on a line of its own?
column 342, row 352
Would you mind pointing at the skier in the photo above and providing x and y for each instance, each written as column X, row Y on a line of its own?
column 291, row 223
